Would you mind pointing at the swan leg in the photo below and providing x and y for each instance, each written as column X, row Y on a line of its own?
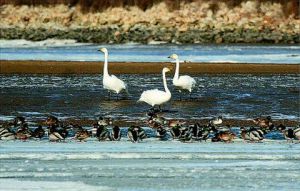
column 109, row 95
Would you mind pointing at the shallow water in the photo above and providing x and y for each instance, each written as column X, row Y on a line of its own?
column 82, row 96
column 69, row 50
column 150, row 165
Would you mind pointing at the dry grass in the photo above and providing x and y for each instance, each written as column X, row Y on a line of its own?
column 289, row 6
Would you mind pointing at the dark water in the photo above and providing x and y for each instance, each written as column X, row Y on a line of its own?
column 82, row 96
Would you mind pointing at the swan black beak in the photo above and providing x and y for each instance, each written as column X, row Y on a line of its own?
column 169, row 56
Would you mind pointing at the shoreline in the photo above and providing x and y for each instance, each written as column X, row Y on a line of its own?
column 91, row 67
column 146, row 34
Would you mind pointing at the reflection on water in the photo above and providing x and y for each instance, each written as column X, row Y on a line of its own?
column 82, row 96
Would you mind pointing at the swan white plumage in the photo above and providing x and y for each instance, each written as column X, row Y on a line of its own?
column 111, row 82
column 182, row 82
column 157, row 97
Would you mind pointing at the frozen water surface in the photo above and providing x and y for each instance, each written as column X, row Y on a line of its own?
column 149, row 165
column 69, row 50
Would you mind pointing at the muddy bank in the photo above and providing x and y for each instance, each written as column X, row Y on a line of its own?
column 68, row 67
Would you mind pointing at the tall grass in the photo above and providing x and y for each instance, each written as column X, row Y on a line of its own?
column 290, row 6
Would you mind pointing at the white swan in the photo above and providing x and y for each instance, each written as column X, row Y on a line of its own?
column 155, row 96
column 111, row 82
column 182, row 82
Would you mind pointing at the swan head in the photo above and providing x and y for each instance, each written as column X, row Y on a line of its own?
column 173, row 56
column 166, row 70
column 104, row 50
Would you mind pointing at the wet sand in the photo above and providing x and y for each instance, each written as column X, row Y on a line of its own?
column 71, row 67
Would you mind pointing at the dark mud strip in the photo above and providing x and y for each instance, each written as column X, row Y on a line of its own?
column 68, row 67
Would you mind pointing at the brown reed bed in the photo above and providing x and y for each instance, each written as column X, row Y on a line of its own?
column 289, row 6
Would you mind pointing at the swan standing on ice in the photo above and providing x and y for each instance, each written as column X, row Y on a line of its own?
column 111, row 82
column 157, row 97
column 182, row 82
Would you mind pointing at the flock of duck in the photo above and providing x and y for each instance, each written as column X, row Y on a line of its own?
column 164, row 129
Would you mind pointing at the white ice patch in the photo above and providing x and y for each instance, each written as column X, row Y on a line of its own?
column 14, row 185
column 21, row 43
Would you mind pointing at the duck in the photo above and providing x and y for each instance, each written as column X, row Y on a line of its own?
column 252, row 134
column 224, row 136
column 6, row 134
column 51, row 120
column 175, row 131
column 184, row 82
column 216, row 121
column 23, row 132
column 111, row 82
column 136, row 133
column 81, row 133
column 102, row 133
column 105, row 121
column 264, row 123
column 157, row 97
column 63, row 131
column 201, row 132
column 161, row 133
column 93, row 130
column 39, row 132
column 185, row 134
column 156, row 119
column 115, row 134
column 18, row 121
column 54, row 135
column 289, row 134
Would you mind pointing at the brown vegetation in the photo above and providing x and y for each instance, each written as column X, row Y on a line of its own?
column 289, row 6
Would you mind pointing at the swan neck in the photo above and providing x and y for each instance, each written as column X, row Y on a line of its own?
column 105, row 68
column 176, row 70
column 165, row 82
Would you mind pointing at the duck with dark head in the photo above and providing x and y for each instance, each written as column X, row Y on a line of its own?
column 201, row 132
column 252, row 134
column 6, row 133
column 105, row 121
column 81, row 133
column 185, row 134
column 55, row 133
column 136, row 133
column 115, row 134
column 289, row 133
column 176, row 131
column 38, row 132
column 102, row 133
column 264, row 123
column 161, row 133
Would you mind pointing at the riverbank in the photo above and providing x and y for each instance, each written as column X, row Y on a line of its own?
column 197, row 22
column 71, row 67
